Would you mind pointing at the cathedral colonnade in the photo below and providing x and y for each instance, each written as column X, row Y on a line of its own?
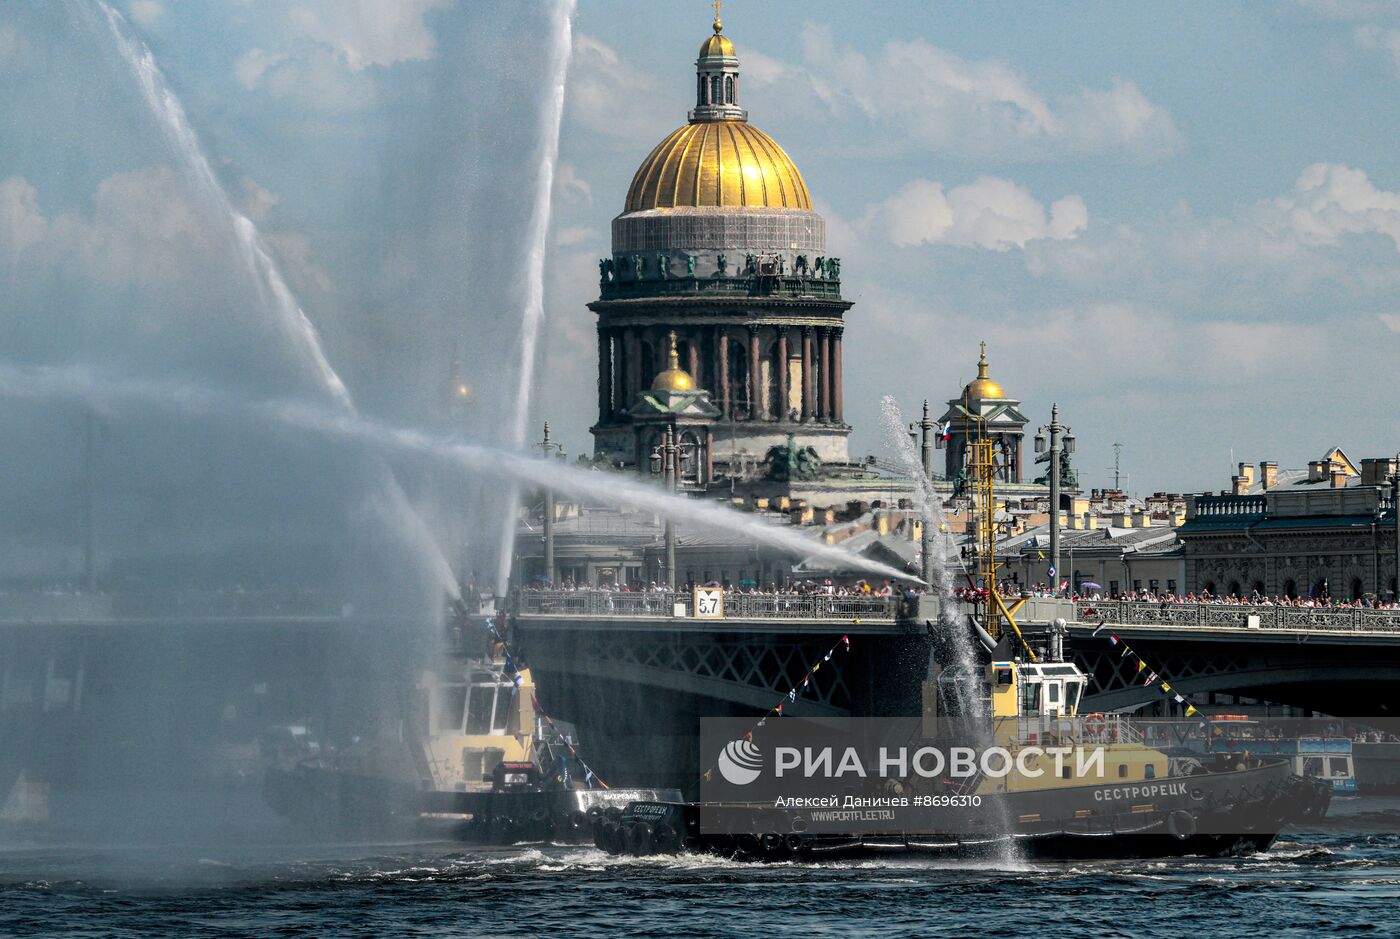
column 756, row 371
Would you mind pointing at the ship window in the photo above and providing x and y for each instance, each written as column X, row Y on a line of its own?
column 1312, row 766
column 1052, row 693
column 482, row 710
column 452, row 702
column 1072, row 696
column 1064, row 772
column 1122, row 770
column 1150, row 771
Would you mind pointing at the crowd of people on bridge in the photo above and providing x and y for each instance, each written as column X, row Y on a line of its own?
column 801, row 588
column 1008, row 589
column 1324, row 601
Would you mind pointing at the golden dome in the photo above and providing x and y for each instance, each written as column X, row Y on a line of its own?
column 674, row 378
column 721, row 164
column 717, row 45
column 982, row 387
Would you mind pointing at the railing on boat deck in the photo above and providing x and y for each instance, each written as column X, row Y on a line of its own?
column 1229, row 615
column 1046, row 731
column 671, row 605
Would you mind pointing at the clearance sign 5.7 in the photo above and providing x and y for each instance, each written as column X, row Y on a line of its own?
column 709, row 603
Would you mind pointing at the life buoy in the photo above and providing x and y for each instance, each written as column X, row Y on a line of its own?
column 1095, row 723
column 1181, row 825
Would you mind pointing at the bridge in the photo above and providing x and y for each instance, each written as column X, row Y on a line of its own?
column 1339, row 661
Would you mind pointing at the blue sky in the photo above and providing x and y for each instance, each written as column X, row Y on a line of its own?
column 1180, row 221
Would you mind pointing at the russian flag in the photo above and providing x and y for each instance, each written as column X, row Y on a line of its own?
column 945, row 431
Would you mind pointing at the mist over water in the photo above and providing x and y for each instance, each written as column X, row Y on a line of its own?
column 273, row 293
column 128, row 248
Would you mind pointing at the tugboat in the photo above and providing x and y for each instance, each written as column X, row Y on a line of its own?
column 472, row 757
column 1107, row 795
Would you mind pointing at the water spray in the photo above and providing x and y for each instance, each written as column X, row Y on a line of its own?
column 272, row 286
column 514, row 468
column 532, row 315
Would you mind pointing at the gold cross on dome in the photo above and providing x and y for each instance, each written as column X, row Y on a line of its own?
column 718, row 25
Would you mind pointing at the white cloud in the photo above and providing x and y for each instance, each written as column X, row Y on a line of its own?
column 989, row 212
column 1378, row 39
column 931, row 99
column 610, row 97
column 254, row 201
column 369, row 32
column 251, row 66
column 22, row 222
column 316, row 78
column 573, row 235
column 294, row 252
column 572, row 186
column 1334, row 231
column 1391, row 321
column 1330, row 201
column 145, row 227
column 146, row 12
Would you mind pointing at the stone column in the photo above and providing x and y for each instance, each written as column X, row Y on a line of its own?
column 663, row 352
column 824, row 404
column 838, row 408
column 692, row 360
column 634, row 366
column 780, row 409
column 605, row 389
column 807, row 388
column 755, row 392
column 722, row 363
column 619, row 345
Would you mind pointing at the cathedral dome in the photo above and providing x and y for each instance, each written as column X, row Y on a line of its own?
column 718, row 160
column 718, row 164
column 982, row 388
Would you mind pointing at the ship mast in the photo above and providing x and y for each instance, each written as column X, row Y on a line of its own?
column 981, row 473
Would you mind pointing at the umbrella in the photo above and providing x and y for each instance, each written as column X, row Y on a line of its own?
column 1089, row 585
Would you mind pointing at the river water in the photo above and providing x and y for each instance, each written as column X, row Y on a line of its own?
column 1342, row 878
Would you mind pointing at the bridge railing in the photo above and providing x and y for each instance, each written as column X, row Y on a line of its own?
column 1231, row 616
column 670, row 605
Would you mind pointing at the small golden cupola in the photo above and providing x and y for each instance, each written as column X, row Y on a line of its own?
column 674, row 378
column 982, row 388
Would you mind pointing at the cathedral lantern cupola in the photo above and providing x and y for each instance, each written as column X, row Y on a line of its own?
column 984, row 407
column 717, row 80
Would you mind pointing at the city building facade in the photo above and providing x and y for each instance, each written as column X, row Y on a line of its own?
column 1327, row 532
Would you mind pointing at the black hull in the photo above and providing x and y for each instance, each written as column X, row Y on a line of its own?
column 1215, row 815
column 338, row 803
